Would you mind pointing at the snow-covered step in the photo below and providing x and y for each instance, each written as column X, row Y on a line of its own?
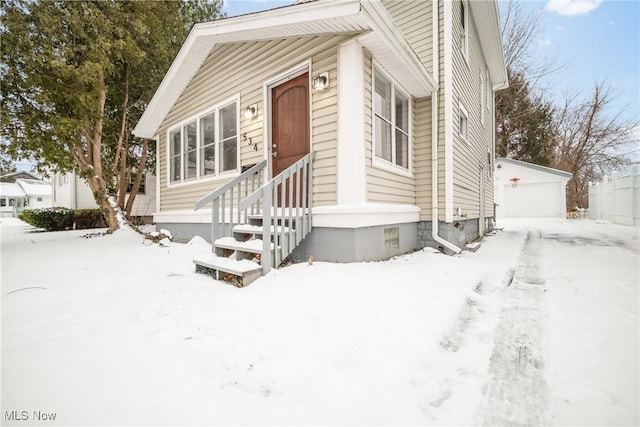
column 230, row 243
column 258, row 229
column 256, row 219
column 473, row 246
column 243, row 271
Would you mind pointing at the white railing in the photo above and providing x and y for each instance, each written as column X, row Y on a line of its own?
column 286, row 201
column 226, row 212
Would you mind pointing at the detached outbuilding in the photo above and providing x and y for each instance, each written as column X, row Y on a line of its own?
column 526, row 190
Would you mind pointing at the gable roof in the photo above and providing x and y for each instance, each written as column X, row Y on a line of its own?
column 35, row 187
column 383, row 39
column 13, row 176
column 380, row 35
column 531, row 166
column 11, row 189
column 25, row 187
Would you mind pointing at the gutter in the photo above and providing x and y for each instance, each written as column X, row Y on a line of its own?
column 434, row 137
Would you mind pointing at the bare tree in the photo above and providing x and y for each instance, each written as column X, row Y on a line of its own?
column 590, row 142
column 523, row 116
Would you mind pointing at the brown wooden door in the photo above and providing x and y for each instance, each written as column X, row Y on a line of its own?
column 290, row 122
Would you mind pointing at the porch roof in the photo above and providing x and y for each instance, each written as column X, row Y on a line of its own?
column 11, row 189
column 369, row 18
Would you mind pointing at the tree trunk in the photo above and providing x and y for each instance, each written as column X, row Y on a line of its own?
column 110, row 209
column 139, row 174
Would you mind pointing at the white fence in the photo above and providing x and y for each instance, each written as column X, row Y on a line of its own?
column 616, row 199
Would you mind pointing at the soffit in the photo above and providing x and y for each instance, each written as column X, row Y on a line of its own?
column 485, row 15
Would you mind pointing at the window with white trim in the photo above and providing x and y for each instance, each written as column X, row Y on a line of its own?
column 464, row 21
column 142, row 189
column 463, row 123
column 206, row 145
column 391, row 122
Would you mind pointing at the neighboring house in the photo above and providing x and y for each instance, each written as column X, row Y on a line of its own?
column 392, row 102
column 23, row 194
column 72, row 191
column 527, row 190
column 13, row 176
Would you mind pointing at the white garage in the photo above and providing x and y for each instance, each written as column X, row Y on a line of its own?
column 527, row 190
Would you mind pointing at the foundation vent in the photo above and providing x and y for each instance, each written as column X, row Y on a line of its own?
column 391, row 239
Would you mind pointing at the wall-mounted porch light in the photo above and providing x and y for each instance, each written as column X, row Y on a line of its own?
column 321, row 81
column 251, row 111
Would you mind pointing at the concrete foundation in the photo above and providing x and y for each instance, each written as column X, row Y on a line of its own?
column 357, row 244
column 373, row 243
column 183, row 232
column 458, row 232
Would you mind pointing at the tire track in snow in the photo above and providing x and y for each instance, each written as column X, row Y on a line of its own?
column 517, row 393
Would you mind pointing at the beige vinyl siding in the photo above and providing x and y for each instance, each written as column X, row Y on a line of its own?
column 324, row 129
column 241, row 69
column 413, row 17
column 470, row 156
column 422, row 138
column 384, row 186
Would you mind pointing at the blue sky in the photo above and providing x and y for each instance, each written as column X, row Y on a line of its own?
column 598, row 40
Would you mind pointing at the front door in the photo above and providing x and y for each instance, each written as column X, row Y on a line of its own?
column 289, row 122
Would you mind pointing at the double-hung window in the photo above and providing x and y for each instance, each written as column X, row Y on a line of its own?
column 391, row 124
column 206, row 145
column 464, row 22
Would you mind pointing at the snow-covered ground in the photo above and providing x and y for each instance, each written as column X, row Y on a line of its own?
column 539, row 325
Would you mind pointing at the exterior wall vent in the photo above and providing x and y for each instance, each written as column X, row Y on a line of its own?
column 391, row 239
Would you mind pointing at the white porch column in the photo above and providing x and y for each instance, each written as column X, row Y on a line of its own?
column 351, row 179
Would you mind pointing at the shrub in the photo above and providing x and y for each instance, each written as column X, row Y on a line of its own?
column 57, row 219
column 27, row 216
column 88, row 218
column 51, row 219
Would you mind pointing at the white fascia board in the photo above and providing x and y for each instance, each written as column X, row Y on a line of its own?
column 485, row 14
column 448, row 110
column 283, row 16
column 364, row 215
column 384, row 27
column 351, row 139
column 204, row 36
column 546, row 169
column 192, row 54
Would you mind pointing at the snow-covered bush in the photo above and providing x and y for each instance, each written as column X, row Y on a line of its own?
column 57, row 219
column 51, row 219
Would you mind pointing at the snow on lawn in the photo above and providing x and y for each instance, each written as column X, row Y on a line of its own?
column 107, row 330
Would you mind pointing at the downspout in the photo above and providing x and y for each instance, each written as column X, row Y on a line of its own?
column 434, row 134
